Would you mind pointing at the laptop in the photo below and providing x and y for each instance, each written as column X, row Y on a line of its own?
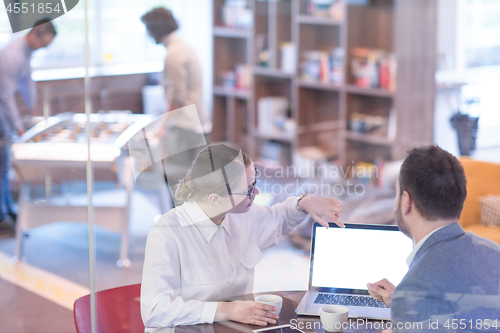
column 344, row 260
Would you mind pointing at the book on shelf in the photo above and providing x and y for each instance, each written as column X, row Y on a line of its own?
column 288, row 55
column 235, row 14
column 334, row 9
column 392, row 125
column 377, row 126
column 240, row 78
column 243, row 76
column 272, row 112
column 270, row 152
column 262, row 54
column 368, row 124
column 324, row 67
column 274, row 154
column 373, row 68
column 309, row 161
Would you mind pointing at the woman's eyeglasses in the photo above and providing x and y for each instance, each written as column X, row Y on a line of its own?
column 251, row 189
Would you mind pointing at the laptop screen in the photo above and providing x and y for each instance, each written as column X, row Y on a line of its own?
column 359, row 254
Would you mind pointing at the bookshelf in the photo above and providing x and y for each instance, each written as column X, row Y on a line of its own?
column 349, row 118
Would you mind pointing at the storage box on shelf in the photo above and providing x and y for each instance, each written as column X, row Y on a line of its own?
column 328, row 10
column 232, row 14
column 370, row 119
column 273, row 117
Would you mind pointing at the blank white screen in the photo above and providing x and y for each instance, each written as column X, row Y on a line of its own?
column 351, row 258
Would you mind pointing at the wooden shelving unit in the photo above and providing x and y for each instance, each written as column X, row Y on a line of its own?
column 368, row 91
column 308, row 19
column 284, row 137
column 368, row 138
column 230, row 92
column 322, row 111
column 318, row 85
column 231, row 32
column 271, row 72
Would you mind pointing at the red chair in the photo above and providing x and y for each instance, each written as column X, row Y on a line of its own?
column 118, row 311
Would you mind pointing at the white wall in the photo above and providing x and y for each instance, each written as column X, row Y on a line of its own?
column 447, row 26
column 195, row 22
column 447, row 99
column 481, row 82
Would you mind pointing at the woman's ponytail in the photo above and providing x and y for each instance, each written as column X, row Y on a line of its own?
column 183, row 192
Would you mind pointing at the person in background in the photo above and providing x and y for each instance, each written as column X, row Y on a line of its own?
column 454, row 277
column 206, row 250
column 182, row 79
column 182, row 71
column 15, row 75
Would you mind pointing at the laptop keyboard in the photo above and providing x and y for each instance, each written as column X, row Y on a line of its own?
column 350, row 300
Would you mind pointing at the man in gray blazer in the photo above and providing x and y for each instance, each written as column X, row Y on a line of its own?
column 453, row 280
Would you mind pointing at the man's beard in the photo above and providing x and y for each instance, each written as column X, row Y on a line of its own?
column 398, row 215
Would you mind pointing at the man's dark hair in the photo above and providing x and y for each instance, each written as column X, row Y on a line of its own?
column 160, row 22
column 44, row 26
column 436, row 182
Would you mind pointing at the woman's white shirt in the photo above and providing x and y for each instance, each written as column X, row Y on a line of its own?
column 191, row 262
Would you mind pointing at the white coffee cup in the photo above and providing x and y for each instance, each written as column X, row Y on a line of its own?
column 273, row 300
column 334, row 317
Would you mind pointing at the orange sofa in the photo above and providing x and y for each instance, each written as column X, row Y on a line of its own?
column 483, row 178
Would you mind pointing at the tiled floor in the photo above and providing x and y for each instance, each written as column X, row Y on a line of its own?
column 24, row 312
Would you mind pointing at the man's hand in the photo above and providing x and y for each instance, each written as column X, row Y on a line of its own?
column 247, row 312
column 320, row 208
column 21, row 132
column 381, row 291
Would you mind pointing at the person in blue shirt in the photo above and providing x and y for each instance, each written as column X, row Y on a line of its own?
column 15, row 75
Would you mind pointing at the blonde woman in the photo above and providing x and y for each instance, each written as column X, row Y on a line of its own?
column 206, row 249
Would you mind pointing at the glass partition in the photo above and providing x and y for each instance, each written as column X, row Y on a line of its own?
column 44, row 247
column 325, row 98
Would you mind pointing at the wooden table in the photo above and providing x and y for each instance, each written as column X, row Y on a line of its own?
column 291, row 300
column 118, row 311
